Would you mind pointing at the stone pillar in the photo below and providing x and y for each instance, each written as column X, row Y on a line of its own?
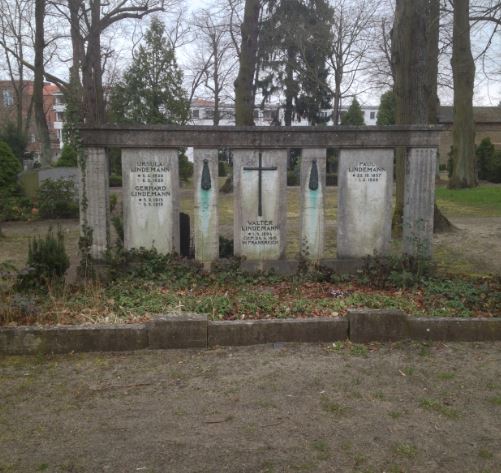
column 151, row 199
column 365, row 185
column 313, row 162
column 260, row 203
column 419, row 201
column 205, row 174
column 95, row 201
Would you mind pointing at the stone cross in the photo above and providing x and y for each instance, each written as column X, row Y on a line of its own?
column 260, row 170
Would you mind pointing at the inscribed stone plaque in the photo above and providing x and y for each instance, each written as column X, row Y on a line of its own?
column 312, row 203
column 150, row 194
column 364, row 202
column 205, row 174
column 260, row 183
column 419, row 200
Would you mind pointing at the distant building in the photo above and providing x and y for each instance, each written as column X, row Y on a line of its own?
column 54, row 112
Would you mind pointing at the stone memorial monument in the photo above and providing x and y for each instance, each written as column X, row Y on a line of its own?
column 365, row 183
column 150, row 199
column 260, row 205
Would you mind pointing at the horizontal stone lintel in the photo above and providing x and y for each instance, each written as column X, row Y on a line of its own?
column 164, row 136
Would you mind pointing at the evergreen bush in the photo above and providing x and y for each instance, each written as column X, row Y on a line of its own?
column 57, row 199
column 494, row 168
column 10, row 167
column 354, row 115
column 47, row 261
column 68, row 158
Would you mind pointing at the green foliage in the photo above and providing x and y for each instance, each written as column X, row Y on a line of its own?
column 295, row 44
column 386, row 112
column 15, row 207
column 151, row 90
column 485, row 153
column 16, row 141
column 225, row 247
column 494, row 168
column 47, row 261
column 293, row 178
column 222, row 169
column 185, row 167
column 57, row 199
column 10, row 167
column 69, row 157
column 354, row 115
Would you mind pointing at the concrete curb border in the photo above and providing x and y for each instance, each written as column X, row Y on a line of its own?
column 196, row 331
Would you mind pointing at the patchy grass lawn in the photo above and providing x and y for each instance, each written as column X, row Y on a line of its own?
column 482, row 201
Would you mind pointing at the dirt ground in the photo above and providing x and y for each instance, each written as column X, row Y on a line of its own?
column 279, row 408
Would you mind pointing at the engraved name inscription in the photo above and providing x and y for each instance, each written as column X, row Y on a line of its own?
column 150, row 183
column 366, row 172
column 260, row 232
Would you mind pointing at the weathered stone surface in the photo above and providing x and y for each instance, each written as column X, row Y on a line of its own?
column 369, row 325
column 260, row 204
column 419, row 200
column 205, row 180
column 365, row 179
column 165, row 136
column 455, row 330
column 313, row 163
column 151, row 199
column 183, row 330
column 35, row 340
column 94, row 200
column 253, row 332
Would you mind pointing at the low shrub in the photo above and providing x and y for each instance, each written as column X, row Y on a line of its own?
column 47, row 261
column 16, row 207
column 485, row 153
column 57, row 199
column 68, row 158
column 10, row 167
column 494, row 168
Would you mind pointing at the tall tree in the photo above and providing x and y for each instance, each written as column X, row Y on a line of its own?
column 463, row 72
column 151, row 91
column 244, row 83
column 38, row 85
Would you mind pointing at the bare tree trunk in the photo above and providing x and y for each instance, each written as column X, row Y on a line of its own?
column 244, row 96
column 463, row 130
column 415, row 61
column 38, row 84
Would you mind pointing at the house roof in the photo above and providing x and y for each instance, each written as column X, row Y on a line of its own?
column 480, row 114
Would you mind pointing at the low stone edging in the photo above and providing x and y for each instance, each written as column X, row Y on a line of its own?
column 196, row 331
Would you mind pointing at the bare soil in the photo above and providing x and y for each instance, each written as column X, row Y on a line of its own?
column 280, row 408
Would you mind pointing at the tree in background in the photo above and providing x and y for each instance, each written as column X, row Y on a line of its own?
column 295, row 44
column 386, row 112
column 151, row 90
column 244, row 83
column 463, row 130
column 354, row 115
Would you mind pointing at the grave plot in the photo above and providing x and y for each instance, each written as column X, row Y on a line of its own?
column 151, row 190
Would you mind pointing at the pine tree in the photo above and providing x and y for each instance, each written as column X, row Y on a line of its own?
column 354, row 115
column 151, row 91
column 386, row 112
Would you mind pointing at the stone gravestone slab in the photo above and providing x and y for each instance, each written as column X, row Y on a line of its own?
column 364, row 215
column 260, row 201
column 313, row 163
column 150, row 199
column 205, row 174
column 419, row 202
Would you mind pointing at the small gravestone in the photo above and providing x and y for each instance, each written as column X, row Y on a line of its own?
column 260, row 179
column 151, row 208
column 364, row 203
column 313, row 162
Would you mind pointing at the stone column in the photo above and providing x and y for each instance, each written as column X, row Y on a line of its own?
column 313, row 162
column 260, row 203
column 151, row 199
column 419, row 201
column 95, row 201
column 206, row 232
column 365, row 185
